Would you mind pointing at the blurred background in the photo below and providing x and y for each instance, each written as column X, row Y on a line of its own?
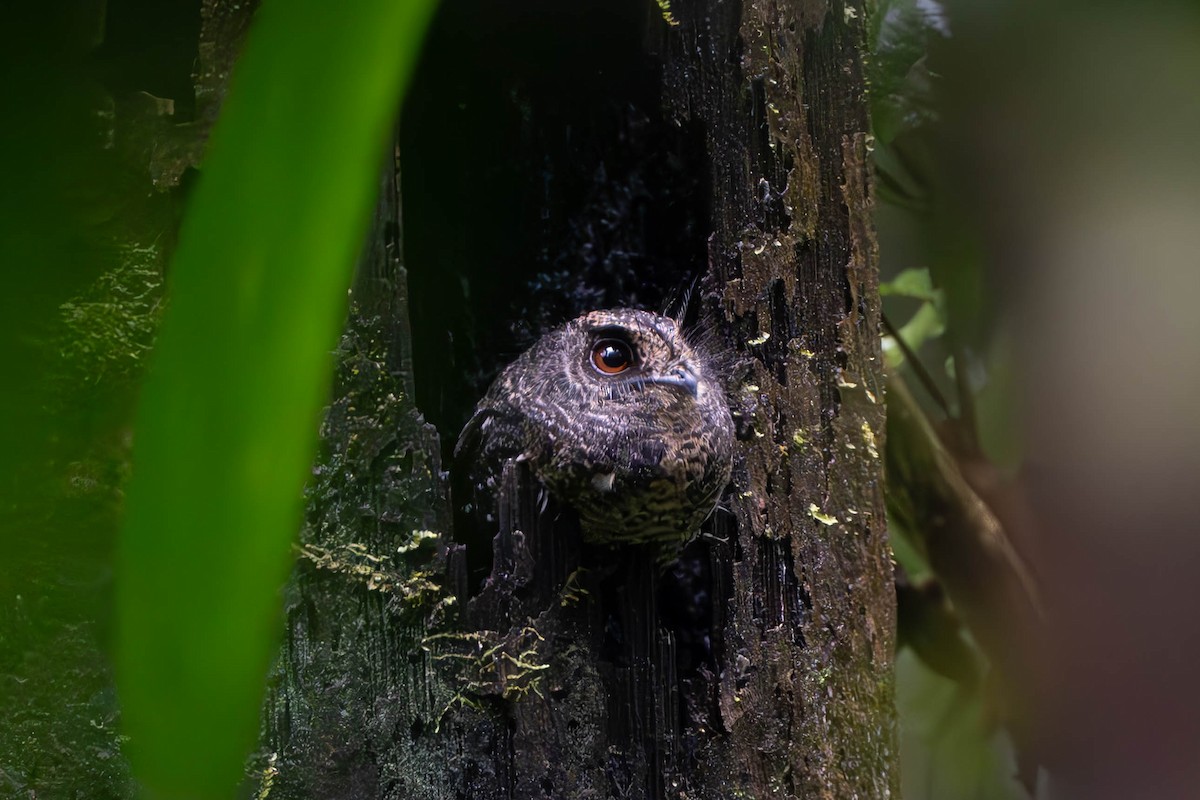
column 1038, row 214
column 84, row 240
column 1038, row 164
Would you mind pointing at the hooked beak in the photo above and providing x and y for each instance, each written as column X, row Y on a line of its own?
column 682, row 376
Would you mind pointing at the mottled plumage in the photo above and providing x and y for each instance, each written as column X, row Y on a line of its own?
column 619, row 417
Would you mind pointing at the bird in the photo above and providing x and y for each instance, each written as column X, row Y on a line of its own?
column 618, row 416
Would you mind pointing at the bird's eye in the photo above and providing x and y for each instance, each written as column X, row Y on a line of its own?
column 611, row 356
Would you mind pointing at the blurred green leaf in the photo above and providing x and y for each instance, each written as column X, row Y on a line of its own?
column 905, row 553
column 904, row 103
column 948, row 750
column 901, row 33
column 228, row 419
column 927, row 323
column 912, row 282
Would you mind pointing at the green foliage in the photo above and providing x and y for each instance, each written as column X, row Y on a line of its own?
column 902, row 94
column 912, row 282
column 950, row 749
column 933, row 296
column 900, row 35
column 926, row 324
column 88, row 338
column 108, row 330
column 227, row 423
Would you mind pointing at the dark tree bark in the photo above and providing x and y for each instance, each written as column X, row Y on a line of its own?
column 555, row 158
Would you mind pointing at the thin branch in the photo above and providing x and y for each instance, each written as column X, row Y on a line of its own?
column 922, row 374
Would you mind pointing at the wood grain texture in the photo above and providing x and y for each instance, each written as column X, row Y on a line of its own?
column 558, row 158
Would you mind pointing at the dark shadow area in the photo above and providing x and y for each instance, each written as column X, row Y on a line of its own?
column 83, row 238
column 539, row 181
column 150, row 46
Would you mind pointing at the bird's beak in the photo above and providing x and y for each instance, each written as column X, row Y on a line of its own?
column 682, row 376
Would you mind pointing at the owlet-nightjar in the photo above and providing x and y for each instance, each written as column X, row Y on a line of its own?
column 620, row 418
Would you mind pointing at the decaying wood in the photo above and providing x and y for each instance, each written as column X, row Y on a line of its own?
column 556, row 158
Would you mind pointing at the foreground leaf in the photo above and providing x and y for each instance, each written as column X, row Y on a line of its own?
column 228, row 419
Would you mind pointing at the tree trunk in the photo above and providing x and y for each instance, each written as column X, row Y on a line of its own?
column 556, row 158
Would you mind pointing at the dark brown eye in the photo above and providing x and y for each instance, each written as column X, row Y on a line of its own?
column 611, row 356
